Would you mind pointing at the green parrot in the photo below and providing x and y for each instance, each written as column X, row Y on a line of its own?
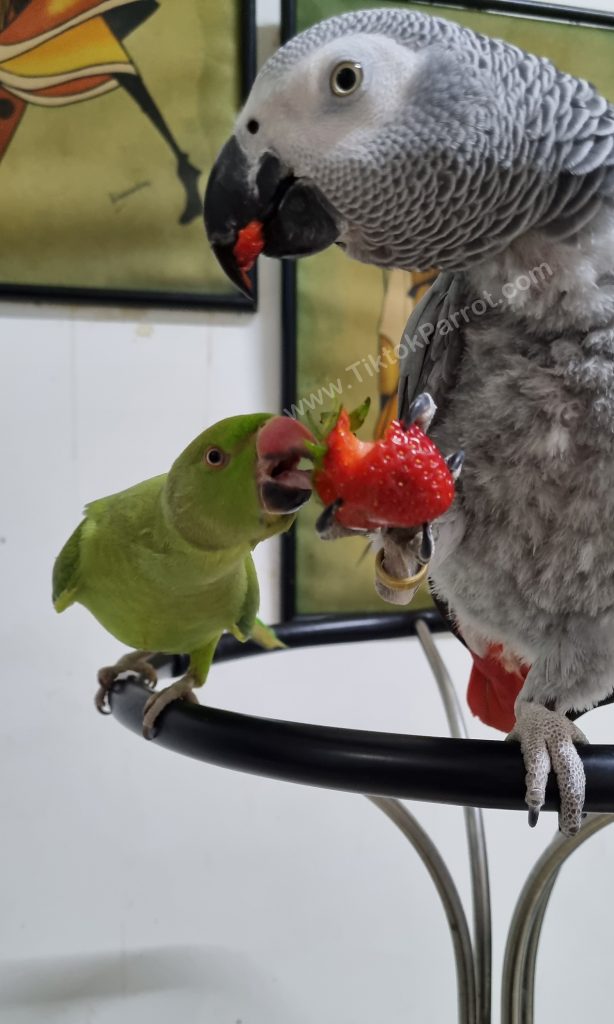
column 166, row 565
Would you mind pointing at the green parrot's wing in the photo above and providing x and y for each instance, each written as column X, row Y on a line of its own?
column 66, row 571
column 249, row 626
column 244, row 625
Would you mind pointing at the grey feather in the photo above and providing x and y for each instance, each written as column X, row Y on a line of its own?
column 491, row 164
column 493, row 134
column 465, row 153
column 432, row 344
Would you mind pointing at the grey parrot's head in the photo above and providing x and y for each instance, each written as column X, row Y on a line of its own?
column 409, row 141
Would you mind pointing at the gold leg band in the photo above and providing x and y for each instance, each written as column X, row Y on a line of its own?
column 393, row 582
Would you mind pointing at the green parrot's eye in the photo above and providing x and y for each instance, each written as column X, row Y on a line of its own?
column 215, row 457
column 346, row 78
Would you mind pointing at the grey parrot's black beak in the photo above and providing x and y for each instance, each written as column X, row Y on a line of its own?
column 275, row 214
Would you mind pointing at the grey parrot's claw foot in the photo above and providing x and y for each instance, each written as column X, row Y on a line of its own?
column 547, row 740
column 327, row 527
column 455, row 463
column 421, row 411
column 326, row 521
column 402, row 562
column 181, row 689
column 427, row 545
column 533, row 817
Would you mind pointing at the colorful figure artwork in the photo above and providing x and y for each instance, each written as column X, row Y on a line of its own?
column 108, row 96
column 53, row 54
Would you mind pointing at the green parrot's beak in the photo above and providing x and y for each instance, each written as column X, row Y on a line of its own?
column 280, row 446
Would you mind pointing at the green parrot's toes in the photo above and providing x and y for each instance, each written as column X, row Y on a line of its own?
column 101, row 700
column 108, row 676
column 181, row 689
column 106, row 681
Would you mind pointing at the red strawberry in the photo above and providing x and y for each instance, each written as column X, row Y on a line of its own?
column 400, row 480
column 247, row 248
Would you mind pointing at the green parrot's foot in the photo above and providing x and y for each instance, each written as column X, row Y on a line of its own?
column 182, row 688
column 135, row 662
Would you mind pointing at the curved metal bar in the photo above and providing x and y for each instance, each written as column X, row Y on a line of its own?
column 475, row 773
column 448, row 894
column 523, row 935
column 527, row 983
column 318, row 630
column 476, row 839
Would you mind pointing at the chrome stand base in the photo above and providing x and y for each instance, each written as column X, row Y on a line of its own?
column 474, row 958
column 457, row 770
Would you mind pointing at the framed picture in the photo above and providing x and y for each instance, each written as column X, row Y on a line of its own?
column 111, row 115
column 342, row 319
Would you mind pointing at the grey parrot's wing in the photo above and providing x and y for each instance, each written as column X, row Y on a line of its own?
column 432, row 344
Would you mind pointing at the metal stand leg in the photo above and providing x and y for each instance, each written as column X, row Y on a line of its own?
column 473, row 962
column 448, row 893
column 517, row 993
column 518, row 983
column 476, row 840
column 528, row 984
column 199, row 736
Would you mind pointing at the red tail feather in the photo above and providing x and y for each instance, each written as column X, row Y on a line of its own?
column 493, row 689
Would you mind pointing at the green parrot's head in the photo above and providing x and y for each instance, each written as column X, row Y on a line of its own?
column 238, row 482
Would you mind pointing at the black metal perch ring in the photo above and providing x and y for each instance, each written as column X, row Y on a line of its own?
column 477, row 773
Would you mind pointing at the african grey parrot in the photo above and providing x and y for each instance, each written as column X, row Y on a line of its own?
column 413, row 142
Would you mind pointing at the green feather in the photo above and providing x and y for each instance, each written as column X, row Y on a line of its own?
column 166, row 565
column 66, row 572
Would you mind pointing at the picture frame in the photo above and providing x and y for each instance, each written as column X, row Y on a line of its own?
column 112, row 113
column 337, row 313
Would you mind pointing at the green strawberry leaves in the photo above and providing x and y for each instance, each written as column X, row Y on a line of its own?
column 321, row 428
column 359, row 415
column 323, row 425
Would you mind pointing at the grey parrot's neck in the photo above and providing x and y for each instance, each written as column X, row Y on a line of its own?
column 557, row 286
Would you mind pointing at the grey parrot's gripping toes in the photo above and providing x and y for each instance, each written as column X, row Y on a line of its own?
column 413, row 142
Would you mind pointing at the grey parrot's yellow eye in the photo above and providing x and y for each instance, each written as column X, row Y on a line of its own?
column 215, row 457
column 346, row 78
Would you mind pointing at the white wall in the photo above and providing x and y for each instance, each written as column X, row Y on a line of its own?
column 137, row 885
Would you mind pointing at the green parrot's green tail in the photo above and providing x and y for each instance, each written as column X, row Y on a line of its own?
column 66, row 571
column 265, row 636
